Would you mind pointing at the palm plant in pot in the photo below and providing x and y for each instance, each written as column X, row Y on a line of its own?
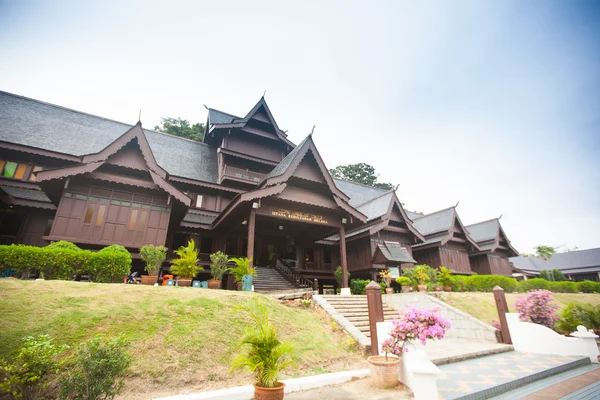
column 153, row 256
column 242, row 268
column 218, row 267
column 387, row 278
column 262, row 353
column 185, row 265
column 404, row 282
column 445, row 278
column 422, row 277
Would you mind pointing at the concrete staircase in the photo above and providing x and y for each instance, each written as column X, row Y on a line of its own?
column 270, row 280
column 354, row 309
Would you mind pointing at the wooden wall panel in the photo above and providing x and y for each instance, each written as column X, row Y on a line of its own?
column 455, row 260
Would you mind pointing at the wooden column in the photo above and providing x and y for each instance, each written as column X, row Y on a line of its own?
column 299, row 257
column 343, row 257
column 502, row 307
column 375, row 309
column 251, row 226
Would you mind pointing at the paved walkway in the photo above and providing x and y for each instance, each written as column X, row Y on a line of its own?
column 585, row 386
column 355, row 390
column 452, row 350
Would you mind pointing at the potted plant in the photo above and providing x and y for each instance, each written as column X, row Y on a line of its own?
column 445, row 278
column 185, row 265
column 242, row 268
column 414, row 323
column 218, row 267
column 404, row 282
column 422, row 277
column 153, row 256
column 387, row 278
column 262, row 353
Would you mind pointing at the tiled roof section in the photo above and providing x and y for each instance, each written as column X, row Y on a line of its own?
column 569, row 261
column 412, row 214
column 357, row 192
column 46, row 126
column 393, row 251
column 377, row 207
column 199, row 218
column 25, row 194
column 220, row 117
column 286, row 162
column 434, row 239
column 483, row 231
column 436, row 222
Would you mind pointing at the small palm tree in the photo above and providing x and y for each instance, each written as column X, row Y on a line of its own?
column 242, row 267
column 263, row 355
column 185, row 265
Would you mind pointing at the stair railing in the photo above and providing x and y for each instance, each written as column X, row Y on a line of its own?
column 293, row 276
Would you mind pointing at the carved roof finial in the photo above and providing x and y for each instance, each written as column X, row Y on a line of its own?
column 312, row 131
column 457, row 204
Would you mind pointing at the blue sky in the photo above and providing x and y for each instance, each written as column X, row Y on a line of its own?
column 493, row 104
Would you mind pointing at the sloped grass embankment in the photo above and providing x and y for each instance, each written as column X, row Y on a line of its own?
column 182, row 339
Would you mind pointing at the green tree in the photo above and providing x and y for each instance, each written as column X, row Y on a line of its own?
column 554, row 275
column 545, row 252
column 361, row 173
column 182, row 128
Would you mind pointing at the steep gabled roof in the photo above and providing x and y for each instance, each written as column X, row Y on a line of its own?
column 438, row 226
column 92, row 162
column 488, row 235
column 391, row 252
column 31, row 196
column 579, row 261
column 358, row 192
column 220, row 117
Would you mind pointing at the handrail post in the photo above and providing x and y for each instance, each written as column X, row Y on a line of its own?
column 375, row 310
column 502, row 308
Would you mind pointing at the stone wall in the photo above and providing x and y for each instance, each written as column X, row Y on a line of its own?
column 464, row 326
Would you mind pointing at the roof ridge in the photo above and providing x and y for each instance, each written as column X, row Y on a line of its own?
column 375, row 198
column 175, row 136
column 435, row 212
column 91, row 115
column 359, row 183
column 483, row 222
column 223, row 112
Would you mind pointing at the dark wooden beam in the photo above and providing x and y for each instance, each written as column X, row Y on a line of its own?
column 251, row 227
column 343, row 257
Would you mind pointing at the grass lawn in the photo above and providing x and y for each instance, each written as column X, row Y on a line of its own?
column 182, row 338
column 483, row 307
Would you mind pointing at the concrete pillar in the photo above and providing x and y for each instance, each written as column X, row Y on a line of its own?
column 375, row 309
column 251, row 227
column 502, row 307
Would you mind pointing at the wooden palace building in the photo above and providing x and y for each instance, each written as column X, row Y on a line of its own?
column 247, row 190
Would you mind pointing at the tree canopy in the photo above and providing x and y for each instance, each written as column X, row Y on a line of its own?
column 361, row 173
column 182, row 128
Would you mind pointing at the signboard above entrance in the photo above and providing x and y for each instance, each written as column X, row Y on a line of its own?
column 300, row 216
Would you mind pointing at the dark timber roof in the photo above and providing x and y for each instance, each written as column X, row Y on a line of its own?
column 220, row 117
column 580, row 261
column 25, row 194
column 435, row 222
column 358, row 193
column 394, row 252
column 283, row 166
column 483, row 231
column 49, row 127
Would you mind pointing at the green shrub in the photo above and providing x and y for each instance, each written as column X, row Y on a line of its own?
column 95, row 370
column 357, row 286
column 461, row 283
column 553, row 275
column 563, row 287
column 403, row 281
column 242, row 268
column 218, row 265
column 338, row 275
column 383, row 286
column 486, row 283
column 29, row 374
column 575, row 314
column 153, row 256
column 110, row 264
column 588, row 286
column 63, row 244
column 444, row 277
column 534, row 284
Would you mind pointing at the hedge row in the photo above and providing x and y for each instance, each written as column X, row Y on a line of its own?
column 486, row 283
column 64, row 260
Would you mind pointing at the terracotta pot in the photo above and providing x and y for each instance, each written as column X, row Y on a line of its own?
column 406, row 289
column 389, row 290
column 437, row 288
column 276, row 393
column 184, row 282
column 149, row 279
column 239, row 285
column 214, row 284
column 422, row 288
column 447, row 288
column 384, row 373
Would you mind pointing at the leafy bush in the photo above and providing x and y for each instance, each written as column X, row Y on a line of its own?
column 553, row 275
column 338, row 275
column 444, row 277
column 185, row 265
column 28, row 375
column 110, row 264
column 242, row 267
column 263, row 354
column 218, row 265
column 403, row 281
column 486, row 283
column 563, row 287
column 153, row 256
column 537, row 306
column 576, row 314
column 534, row 284
column 588, row 286
column 357, row 286
column 95, row 370
column 421, row 274
column 63, row 244
column 461, row 283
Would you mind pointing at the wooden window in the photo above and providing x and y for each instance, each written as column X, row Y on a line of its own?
column 2, row 163
column 133, row 219
column 100, row 215
column 20, row 172
column 32, row 177
column 89, row 213
column 199, row 201
column 9, row 169
column 143, row 220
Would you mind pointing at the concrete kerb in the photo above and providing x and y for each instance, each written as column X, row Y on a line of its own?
column 291, row 385
column 360, row 337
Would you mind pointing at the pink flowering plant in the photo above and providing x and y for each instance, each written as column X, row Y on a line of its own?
column 538, row 307
column 412, row 324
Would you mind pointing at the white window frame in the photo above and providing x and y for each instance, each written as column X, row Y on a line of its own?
column 199, row 201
